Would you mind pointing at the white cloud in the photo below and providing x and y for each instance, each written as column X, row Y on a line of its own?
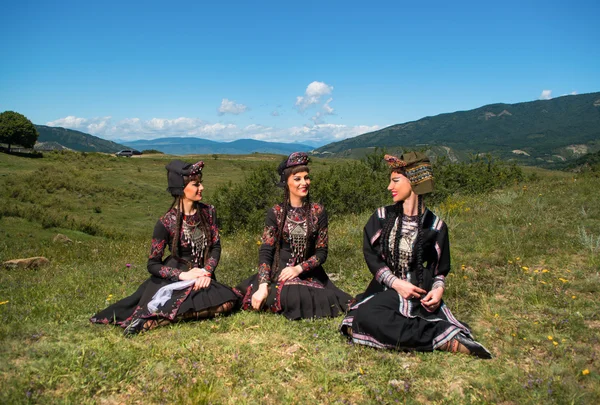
column 130, row 129
column 313, row 94
column 546, row 95
column 231, row 107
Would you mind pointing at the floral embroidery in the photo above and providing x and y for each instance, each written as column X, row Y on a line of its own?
column 169, row 273
column 264, row 273
column 210, row 264
column 323, row 238
column 269, row 236
column 157, row 249
column 310, row 263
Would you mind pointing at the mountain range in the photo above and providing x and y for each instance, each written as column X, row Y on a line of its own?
column 537, row 132
column 182, row 146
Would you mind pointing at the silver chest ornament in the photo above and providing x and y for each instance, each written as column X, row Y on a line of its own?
column 196, row 238
column 297, row 231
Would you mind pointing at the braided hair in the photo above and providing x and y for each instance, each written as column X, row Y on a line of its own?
column 418, row 258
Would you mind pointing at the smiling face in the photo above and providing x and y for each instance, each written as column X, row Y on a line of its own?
column 299, row 185
column 400, row 187
column 193, row 190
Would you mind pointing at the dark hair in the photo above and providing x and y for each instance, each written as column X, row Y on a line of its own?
column 286, row 201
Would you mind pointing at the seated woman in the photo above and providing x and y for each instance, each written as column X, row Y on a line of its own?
column 186, row 278
column 402, row 308
column 291, row 280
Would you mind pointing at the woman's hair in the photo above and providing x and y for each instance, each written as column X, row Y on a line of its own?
column 204, row 225
column 392, row 257
column 286, row 201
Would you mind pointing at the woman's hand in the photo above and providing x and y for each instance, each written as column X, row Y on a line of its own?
column 433, row 299
column 202, row 282
column 193, row 273
column 260, row 296
column 407, row 290
column 289, row 273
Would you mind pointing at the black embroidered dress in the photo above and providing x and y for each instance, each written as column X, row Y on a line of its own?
column 164, row 272
column 381, row 318
column 309, row 295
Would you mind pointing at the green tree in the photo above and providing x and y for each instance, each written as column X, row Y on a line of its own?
column 16, row 129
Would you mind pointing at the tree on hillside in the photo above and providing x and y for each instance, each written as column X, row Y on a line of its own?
column 16, row 129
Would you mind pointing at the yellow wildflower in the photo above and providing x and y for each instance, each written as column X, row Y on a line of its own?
column 543, row 282
column 465, row 277
column 550, row 338
column 524, row 338
column 536, row 271
column 525, row 268
column 361, row 370
column 513, row 334
column 564, row 340
column 467, row 209
column 573, row 296
column 564, row 280
column 258, row 243
column 462, row 266
column 510, row 262
column 4, row 302
column 585, row 372
column 518, row 258
column 568, row 271
column 555, row 343
column 496, row 315
column 545, row 271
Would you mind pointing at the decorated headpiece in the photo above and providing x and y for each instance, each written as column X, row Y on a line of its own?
column 416, row 166
column 176, row 170
column 295, row 159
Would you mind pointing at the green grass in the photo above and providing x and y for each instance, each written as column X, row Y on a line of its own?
column 522, row 272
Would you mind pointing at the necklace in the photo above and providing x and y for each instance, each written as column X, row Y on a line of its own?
column 196, row 238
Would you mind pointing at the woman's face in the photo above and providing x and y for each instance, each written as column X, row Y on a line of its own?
column 193, row 190
column 400, row 187
column 299, row 184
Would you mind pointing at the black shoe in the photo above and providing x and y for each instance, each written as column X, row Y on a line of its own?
column 135, row 327
column 475, row 348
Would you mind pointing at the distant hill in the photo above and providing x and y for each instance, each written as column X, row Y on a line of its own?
column 537, row 132
column 76, row 140
column 182, row 146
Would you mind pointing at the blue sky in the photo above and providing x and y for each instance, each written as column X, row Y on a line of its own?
column 285, row 71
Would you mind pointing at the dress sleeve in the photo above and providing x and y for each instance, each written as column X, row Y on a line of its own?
column 160, row 239
column 442, row 265
column 372, row 250
column 267, row 248
column 321, row 244
column 214, row 251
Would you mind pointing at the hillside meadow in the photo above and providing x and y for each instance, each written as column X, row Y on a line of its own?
column 526, row 277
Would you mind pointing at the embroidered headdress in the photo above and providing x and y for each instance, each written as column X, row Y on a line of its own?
column 295, row 159
column 416, row 166
column 176, row 170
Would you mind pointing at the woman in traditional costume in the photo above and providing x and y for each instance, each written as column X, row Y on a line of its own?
column 406, row 248
column 182, row 286
column 291, row 280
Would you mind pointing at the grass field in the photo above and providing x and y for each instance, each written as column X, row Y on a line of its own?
column 526, row 277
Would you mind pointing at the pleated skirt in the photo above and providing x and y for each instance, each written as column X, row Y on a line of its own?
column 297, row 298
column 182, row 301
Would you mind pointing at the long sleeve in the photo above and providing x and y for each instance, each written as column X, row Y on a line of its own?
column 214, row 252
column 267, row 248
column 321, row 244
column 372, row 249
column 160, row 239
column 442, row 262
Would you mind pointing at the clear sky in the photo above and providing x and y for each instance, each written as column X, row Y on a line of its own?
column 285, row 71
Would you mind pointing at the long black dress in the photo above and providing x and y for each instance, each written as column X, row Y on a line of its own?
column 164, row 272
column 380, row 317
column 310, row 295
